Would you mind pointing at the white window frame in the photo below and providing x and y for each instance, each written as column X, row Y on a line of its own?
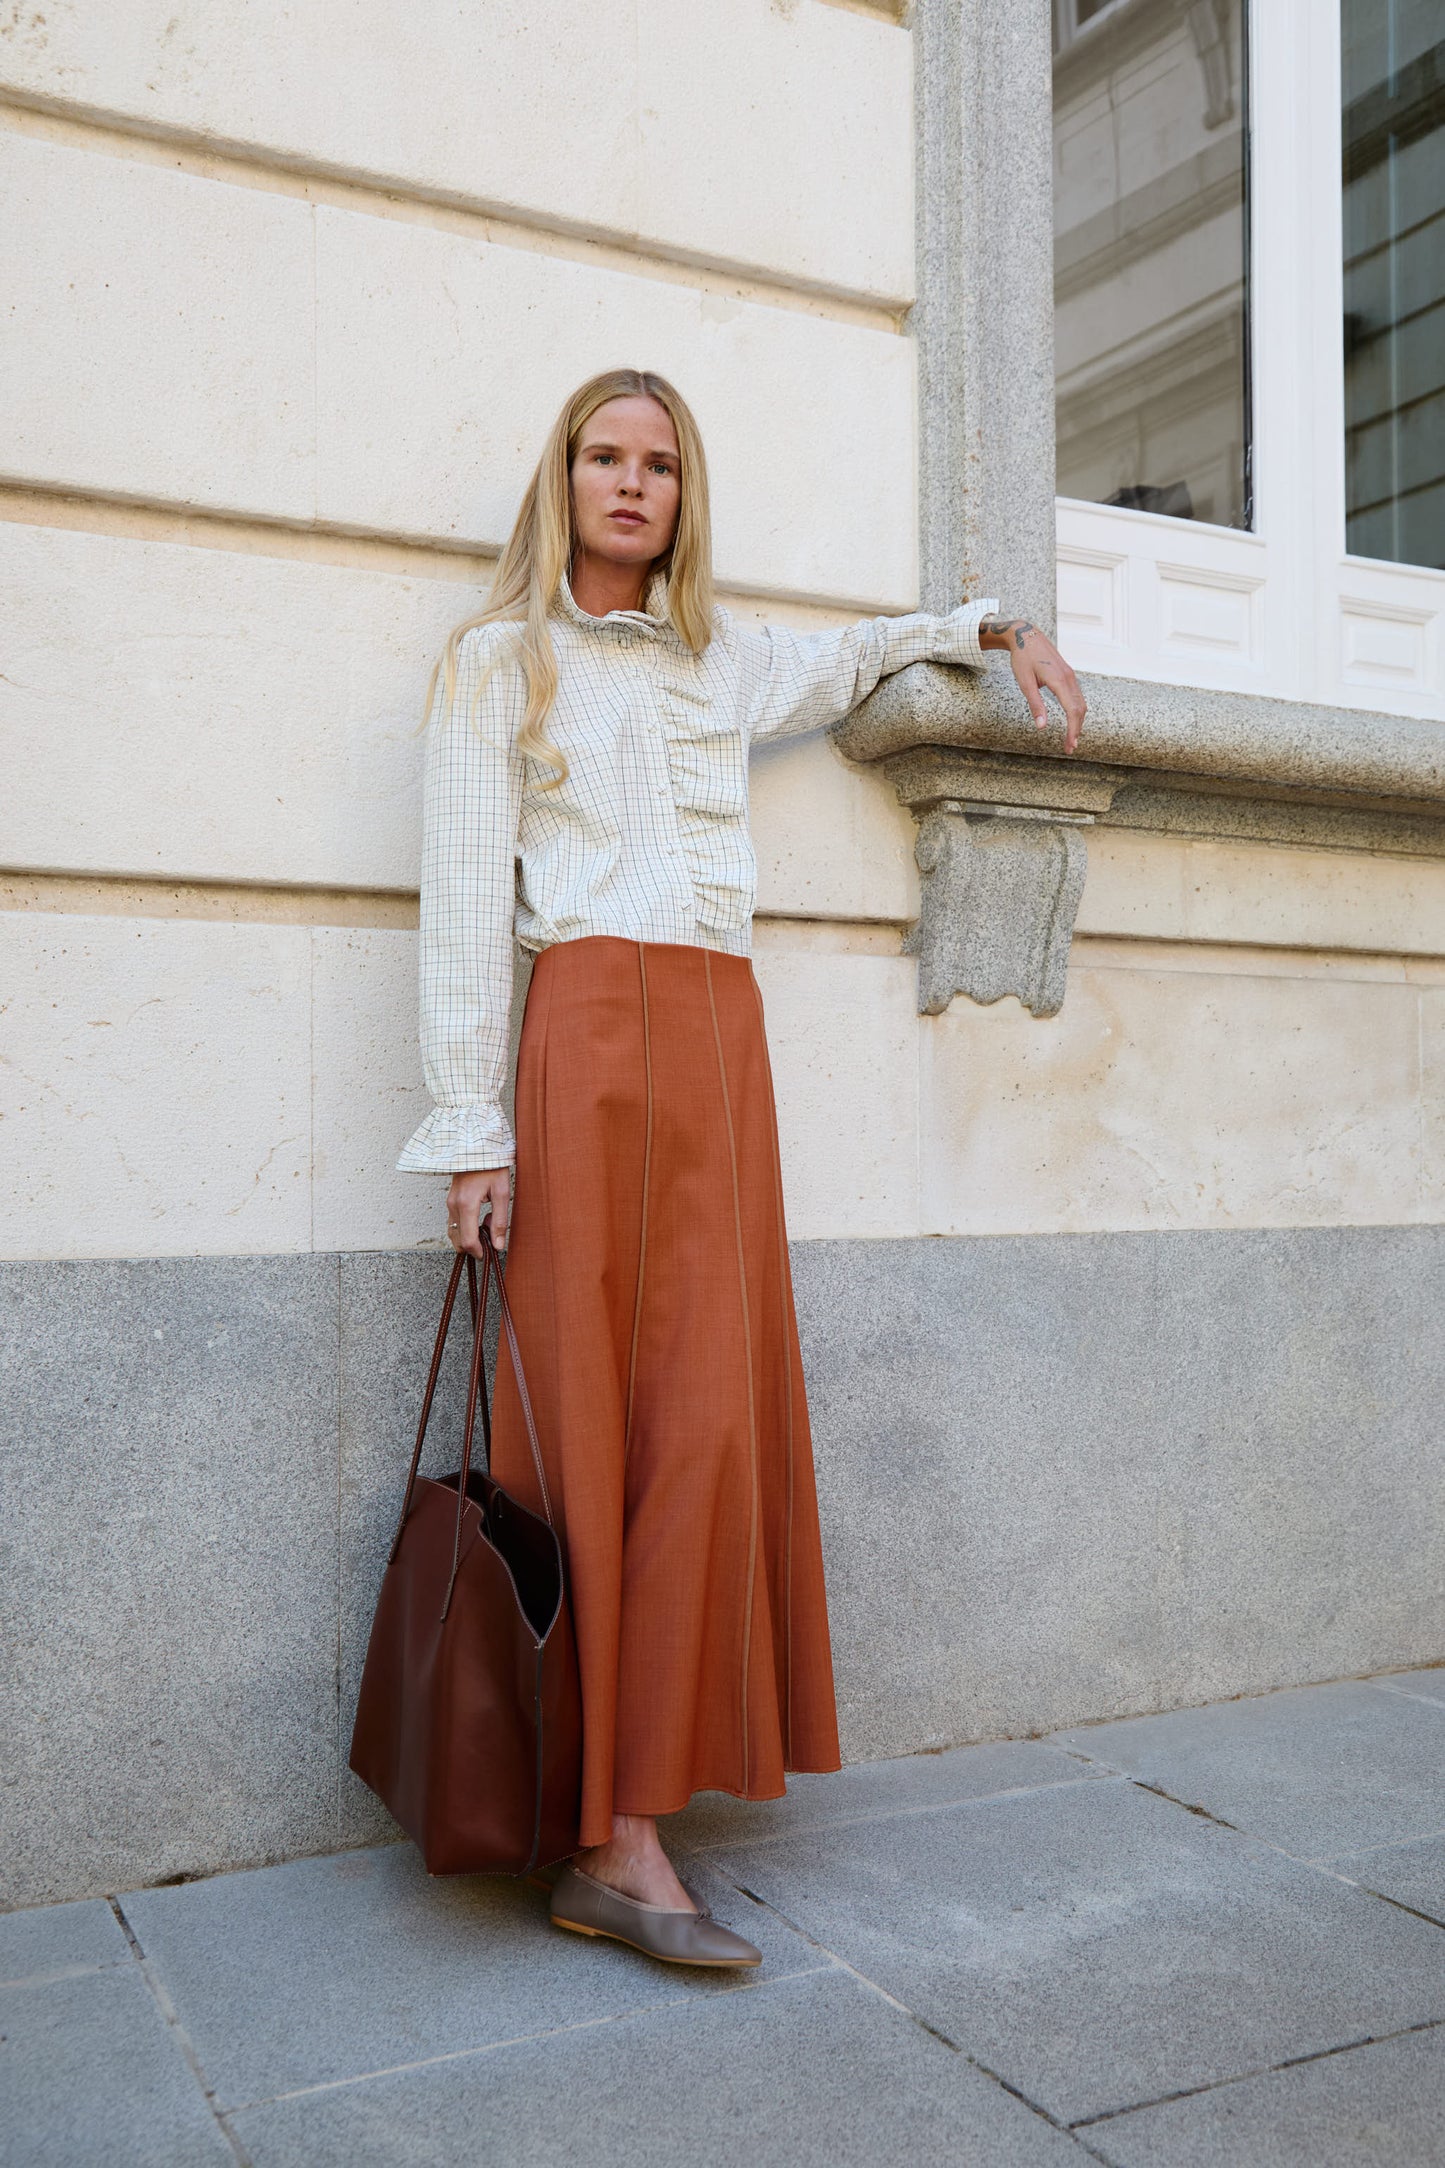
column 1284, row 610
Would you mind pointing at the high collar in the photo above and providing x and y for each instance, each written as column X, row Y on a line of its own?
column 652, row 617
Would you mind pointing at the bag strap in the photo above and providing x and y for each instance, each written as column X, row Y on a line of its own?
column 476, row 1385
column 476, row 1391
column 522, row 1393
column 427, row 1398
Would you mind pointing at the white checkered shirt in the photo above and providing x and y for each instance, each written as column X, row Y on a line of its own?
column 647, row 838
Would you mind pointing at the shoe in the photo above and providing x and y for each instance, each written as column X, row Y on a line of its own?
column 589, row 1907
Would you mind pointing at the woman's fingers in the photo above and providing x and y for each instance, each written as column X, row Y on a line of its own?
column 1064, row 686
column 1047, row 669
column 468, row 1196
column 1028, row 683
column 501, row 1208
column 463, row 1216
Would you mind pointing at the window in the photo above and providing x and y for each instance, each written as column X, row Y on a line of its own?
column 1150, row 258
column 1394, row 262
column 1247, row 498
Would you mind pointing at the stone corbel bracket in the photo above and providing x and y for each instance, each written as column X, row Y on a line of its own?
column 1003, row 815
column 1001, row 848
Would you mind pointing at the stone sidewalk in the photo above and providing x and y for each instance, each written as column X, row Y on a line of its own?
column 1214, row 1937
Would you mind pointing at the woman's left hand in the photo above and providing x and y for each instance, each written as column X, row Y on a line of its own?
column 1038, row 665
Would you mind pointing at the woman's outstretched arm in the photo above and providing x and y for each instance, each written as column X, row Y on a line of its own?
column 798, row 681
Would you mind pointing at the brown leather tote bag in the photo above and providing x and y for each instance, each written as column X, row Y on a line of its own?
column 469, row 1725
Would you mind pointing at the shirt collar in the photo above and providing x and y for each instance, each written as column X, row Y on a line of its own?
column 653, row 615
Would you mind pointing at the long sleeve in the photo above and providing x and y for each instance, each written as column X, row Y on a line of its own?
column 797, row 681
column 471, row 806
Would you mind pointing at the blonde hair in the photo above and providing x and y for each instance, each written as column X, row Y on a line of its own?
column 542, row 544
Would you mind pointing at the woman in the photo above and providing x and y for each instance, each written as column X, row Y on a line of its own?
column 586, row 784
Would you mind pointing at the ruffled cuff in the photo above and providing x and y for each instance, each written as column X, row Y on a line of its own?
column 958, row 633
column 459, row 1140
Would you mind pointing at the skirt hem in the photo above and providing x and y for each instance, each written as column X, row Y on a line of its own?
column 732, row 1791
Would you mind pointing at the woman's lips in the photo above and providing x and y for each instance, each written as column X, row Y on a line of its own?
column 628, row 519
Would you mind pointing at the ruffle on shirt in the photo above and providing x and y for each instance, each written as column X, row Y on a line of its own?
column 707, row 754
column 707, row 759
column 458, row 1140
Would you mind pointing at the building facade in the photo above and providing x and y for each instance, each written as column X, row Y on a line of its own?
column 1110, row 1088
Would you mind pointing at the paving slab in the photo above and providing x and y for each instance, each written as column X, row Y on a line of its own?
column 1413, row 1874
column 866, row 1790
column 1430, row 1685
column 1372, row 2107
column 1100, row 1947
column 327, row 1968
column 91, row 2072
column 805, row 2073
column 51, row 1939
column 1317, row 1770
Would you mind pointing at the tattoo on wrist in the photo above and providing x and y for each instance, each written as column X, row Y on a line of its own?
column 1002, row 627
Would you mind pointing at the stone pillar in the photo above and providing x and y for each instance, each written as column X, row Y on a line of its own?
column 984, row 318
column 1001, row 884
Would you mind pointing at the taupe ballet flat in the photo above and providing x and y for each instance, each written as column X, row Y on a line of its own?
column 588, row 1907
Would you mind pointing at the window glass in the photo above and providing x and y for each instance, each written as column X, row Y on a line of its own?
column 1394, row 183
column 1150, row 256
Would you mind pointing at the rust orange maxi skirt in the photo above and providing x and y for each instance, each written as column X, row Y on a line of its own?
column 648, row 1270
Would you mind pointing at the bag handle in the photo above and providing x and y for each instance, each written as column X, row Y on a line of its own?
column 476, row 1390
column 430, row 1394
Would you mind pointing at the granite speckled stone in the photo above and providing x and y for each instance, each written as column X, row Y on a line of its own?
column 167, row 1568
column 1097, row 1946
column 1408, row 1874
column 48, row 1940
column 326, row 1969
column 1375, row 2106
column 92, row 2073
column 808, row 2072
column 1166, row 809
column 871, row 1791
column 1243, row 738
column 985, row 334
column 998, row 906
column 1063, row 1476
column 1320, row 1772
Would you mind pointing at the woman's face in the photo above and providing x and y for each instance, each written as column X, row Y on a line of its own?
column 627, row 482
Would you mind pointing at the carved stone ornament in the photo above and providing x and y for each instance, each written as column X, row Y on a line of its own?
column 1002, row 853
column 999, row 899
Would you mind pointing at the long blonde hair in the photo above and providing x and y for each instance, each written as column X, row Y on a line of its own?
column 541, row 546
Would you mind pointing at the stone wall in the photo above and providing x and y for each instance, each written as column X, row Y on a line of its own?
column 1060, row 1477
column 1118, row 1323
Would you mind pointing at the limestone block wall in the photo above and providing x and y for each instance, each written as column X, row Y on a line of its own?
column 291, row 294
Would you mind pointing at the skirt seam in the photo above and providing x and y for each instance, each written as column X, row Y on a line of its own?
column 748, row 1364
column 789, row 1424
column 642, row 1230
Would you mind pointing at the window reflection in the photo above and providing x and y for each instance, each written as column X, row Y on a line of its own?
column 1394, row 183
column 1150, row 255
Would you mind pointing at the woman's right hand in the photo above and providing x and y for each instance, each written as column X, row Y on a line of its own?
column 467, row 1199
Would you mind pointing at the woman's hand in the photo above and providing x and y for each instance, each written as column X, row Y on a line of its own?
column 468, row 1196
column 1037, row 664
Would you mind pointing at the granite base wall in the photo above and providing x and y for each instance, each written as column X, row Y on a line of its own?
column 1062, row 1478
